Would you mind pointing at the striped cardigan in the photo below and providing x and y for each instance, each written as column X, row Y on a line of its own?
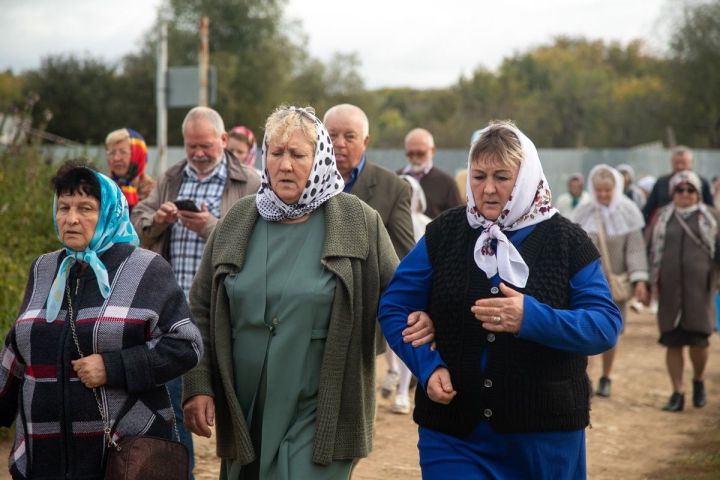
column 146, row 337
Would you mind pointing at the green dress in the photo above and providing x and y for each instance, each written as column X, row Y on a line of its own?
column 280, row 305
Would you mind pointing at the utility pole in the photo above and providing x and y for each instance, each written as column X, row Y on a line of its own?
column 161, row 100
column 204, row 61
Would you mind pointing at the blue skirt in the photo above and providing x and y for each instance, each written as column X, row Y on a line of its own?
column 486, row 454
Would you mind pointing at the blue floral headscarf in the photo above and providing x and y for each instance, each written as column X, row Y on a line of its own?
column 113, row 227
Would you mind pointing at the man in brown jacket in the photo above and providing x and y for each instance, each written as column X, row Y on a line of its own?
column 208, row 179
column 208, row 182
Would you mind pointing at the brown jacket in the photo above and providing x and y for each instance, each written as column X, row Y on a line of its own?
column 242, row 181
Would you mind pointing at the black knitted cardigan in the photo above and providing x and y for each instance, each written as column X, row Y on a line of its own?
column 526, row 386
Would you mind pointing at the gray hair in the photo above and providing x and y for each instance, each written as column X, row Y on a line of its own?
column 424, row 132
column 349, row 109
column 208, row 114
column 681, row 149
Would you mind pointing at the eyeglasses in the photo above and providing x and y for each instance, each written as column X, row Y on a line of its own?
column 121, row 152
column 688, row 190
column 416, row 153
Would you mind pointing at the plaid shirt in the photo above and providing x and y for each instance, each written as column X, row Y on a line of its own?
column 186, row 246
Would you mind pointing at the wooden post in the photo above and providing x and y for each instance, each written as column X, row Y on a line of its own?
column 161, row 100
column 204, row 60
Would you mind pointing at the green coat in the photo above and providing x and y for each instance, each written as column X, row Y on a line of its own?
column 358, row 251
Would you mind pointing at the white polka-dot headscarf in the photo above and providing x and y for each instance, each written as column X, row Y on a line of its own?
column 325, row 181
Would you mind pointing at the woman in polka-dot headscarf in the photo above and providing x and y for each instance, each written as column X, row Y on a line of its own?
column 286, row 298
column 300, row 183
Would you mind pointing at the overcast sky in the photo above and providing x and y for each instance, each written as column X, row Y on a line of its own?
column 418, row 43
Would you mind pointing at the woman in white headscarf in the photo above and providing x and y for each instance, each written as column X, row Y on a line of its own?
column 612, row 218
column 518, row 299
column 286, row 299
column 684, row 258
column 631, row 189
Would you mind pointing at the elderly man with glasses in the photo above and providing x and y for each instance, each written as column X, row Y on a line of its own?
column 440, row 189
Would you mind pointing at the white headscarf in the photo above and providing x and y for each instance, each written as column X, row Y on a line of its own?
column 418, row 202
column 530, row 203
column 622, row 216
column 624, row 167
column 324, row 182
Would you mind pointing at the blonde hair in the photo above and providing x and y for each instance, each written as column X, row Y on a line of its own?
column 500, row 142
column 117, row 136
column 603, row 178
column 285, row 121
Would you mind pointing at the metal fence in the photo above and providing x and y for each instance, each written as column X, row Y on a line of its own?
column 558, row 164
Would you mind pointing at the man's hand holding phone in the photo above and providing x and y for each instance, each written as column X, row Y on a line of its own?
column 167, row 213
column 194, row 221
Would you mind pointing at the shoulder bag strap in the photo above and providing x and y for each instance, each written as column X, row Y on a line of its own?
column 604, row 255
column 107, row 432
column 691, row 234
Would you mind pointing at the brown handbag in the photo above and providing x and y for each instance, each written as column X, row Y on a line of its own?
column 138, row 457
column 150, row 458
column 620, row 285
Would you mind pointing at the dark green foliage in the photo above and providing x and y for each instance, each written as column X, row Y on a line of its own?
column 27, row 227
column 695, row 73
column 571, row 92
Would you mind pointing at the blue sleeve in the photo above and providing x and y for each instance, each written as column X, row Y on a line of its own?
column 408, row 292
column 590, row 326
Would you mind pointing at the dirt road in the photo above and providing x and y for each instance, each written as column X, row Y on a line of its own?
column 630, row 436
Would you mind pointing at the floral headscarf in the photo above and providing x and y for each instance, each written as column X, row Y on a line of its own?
column 324, row 183
column 113, row 227
column 530, row 203
column 706, row 221
column 620, row 217
column 138, row 161
column 249, row 159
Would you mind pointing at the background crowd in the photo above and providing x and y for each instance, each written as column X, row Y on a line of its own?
column 285, row 288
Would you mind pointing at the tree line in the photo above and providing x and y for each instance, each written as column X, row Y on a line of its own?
column 570, row 92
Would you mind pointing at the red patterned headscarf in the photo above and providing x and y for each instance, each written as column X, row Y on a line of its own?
column 138, row 160
column 249, row 160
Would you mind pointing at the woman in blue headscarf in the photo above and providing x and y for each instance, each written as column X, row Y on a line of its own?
column 102, row 327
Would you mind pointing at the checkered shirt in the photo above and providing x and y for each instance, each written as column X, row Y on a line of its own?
column 186, row 246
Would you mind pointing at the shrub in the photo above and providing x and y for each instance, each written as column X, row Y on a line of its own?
column 26, row 228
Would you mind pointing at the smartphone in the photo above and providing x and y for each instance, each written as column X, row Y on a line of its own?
column 187, row 205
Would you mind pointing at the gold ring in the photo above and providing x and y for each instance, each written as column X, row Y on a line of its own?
column 496, row 319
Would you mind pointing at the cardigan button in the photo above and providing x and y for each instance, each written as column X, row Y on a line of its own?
column 275, row 321
column 487, row 413
column 494, row 290
column 487, row 383
column 491, row 337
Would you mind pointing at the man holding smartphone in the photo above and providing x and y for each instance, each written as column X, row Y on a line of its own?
column 180, row 213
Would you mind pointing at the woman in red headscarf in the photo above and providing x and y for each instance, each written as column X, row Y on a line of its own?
column 126, row 154
column 241, row 143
